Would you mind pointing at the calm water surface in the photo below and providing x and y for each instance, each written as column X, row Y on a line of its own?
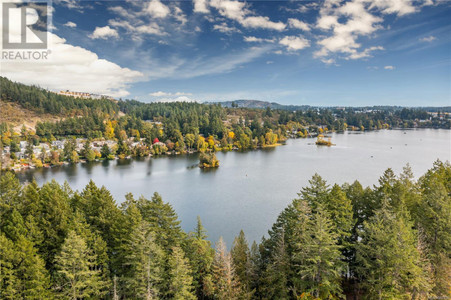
column 250, row 189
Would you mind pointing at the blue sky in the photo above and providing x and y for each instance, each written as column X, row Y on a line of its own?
column 357, row 52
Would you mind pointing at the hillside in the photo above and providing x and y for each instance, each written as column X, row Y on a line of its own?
column 16, row 115
column 41, row 100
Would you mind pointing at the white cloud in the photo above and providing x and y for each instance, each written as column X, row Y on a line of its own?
column 70, row 24
column 294, row 42
column 347, row 21
column 179, row 15
column 364, row 53
column 224, row 28
column 137, row 30
column 428, row 39
column 262, row 22
column 73, row 68
column 269, row 62
column 389, row 67
column 156, row 9
column 328, row 61
column 165, row 94
column 399, row 7
column 295, row 23
column 178, row 99
column 72, row 4
column 201, row 6
column 104, row 33
column 253, row 39
column 238, row 11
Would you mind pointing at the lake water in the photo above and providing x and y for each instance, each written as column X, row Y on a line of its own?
column 250, row 189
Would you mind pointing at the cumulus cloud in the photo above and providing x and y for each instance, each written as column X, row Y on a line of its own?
column 262, row 22
column 294, row 43
column 104, row 33
column 347, row 21
column 295, row 23
column 389, row 67
column 428, row 39
column 201, row 6
column 156, row 9
column 398, row 7
column 238, row 11
column 70, row 24
column 73, row 68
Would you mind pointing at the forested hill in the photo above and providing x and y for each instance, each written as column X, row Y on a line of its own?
column 41, row 100
column 89, row 117
column 289, row 107
column 262, row 105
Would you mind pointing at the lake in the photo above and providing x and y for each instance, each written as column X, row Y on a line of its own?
column 250, row 189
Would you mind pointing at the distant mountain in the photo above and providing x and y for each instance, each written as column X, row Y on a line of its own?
column 261, row 104
column 274, row 105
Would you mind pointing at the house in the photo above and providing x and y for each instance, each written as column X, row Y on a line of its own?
column 58, row 144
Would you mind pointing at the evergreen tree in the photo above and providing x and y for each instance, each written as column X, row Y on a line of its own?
column 105, row 151
column 278, row 271
column 241, row 260
column 75, row 266
column 200, row 254
column 433, row 218
column 143, row 264
column 181, row 286
column 53, row 218
column 225, row 283
column 319, row 256
column 388, row 258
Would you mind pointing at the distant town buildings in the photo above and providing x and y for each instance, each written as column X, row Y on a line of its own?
column 84, row 95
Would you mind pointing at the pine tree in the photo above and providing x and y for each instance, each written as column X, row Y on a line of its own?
column 181, row 282
column 320, row 257
column 75, row 265
column 200, row 254
column 256, row 269
column 225, row 282
column 30, row 270
column 241, row 260
column 9, row 283
column 143, row 264
column 434, row 219
column 389, row 262
column 316, row 193
column 278, row 271
column 163, row 220
column 53, row 220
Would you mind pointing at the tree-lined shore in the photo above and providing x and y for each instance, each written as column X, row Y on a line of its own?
column 91, row 129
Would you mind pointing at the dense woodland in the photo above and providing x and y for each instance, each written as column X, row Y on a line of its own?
column 391, row 241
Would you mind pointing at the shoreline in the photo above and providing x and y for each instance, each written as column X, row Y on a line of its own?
column 27, row 166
